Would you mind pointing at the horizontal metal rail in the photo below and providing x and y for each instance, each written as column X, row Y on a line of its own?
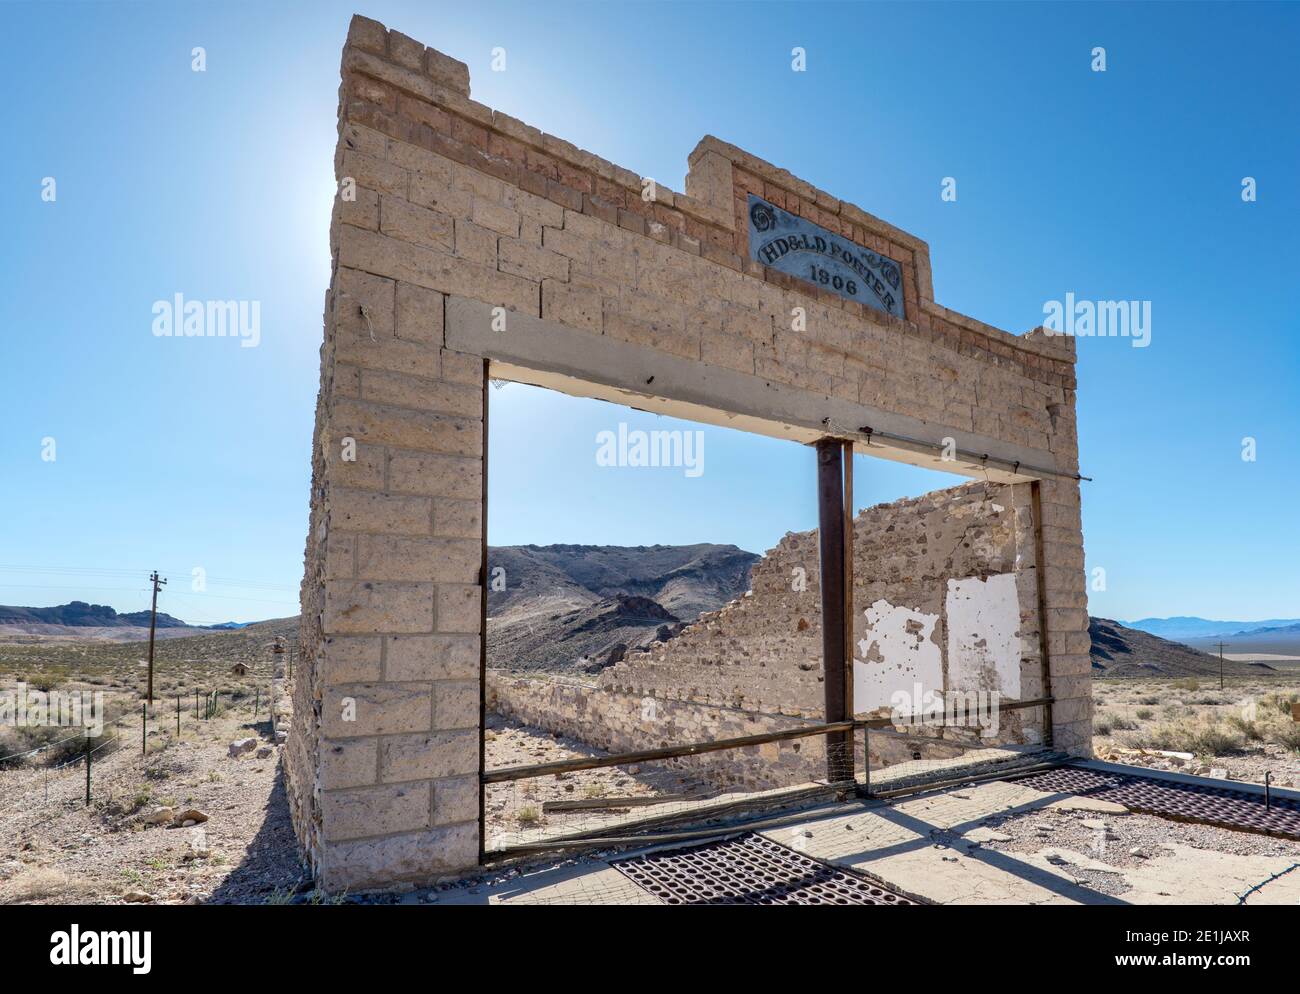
column 528, row 772
column 509, row 773
column 881, row 724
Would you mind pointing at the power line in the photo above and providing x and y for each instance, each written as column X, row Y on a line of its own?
column 141, row 590
column 112, row 572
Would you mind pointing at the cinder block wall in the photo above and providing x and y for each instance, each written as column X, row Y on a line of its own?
column 441, row 198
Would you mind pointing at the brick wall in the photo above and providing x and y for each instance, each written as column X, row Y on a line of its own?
column 444, row 199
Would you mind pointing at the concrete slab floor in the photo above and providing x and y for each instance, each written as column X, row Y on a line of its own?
column 991, row 843
column 1002, row 843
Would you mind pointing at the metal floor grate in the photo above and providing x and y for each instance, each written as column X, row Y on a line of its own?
column 1221, row 806
column 749, row 870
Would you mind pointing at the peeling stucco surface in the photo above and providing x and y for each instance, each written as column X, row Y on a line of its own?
column 898, row 653
column 983, row 617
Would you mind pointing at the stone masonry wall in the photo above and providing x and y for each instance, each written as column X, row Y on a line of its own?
column 443, row 200
column 620, row 721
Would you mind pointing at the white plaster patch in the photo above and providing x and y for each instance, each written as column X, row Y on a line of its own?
column 983, row 642
column 898, row 653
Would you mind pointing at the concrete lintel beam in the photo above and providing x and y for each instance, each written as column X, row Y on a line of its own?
column 550, row 354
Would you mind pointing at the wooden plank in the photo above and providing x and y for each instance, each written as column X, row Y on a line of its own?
column 601, row 803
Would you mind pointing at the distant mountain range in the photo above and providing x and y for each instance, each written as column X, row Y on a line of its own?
column 1196, row 628
column 582, row 607
column 80, row 614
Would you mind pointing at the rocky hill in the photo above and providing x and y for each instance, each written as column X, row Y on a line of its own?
column 579, row 607
column 1120, row 651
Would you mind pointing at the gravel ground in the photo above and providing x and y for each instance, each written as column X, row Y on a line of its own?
column 1121, row 841
column 1247, row 766
column 61, row 852
column 517, row 806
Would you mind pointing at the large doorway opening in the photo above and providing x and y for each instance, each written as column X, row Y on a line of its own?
column 655, row 584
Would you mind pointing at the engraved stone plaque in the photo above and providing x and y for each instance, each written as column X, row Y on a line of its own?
column 795, row 246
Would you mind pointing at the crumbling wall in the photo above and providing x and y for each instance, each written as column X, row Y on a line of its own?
column 619, row 721
column 914, row 559
column 944, row 601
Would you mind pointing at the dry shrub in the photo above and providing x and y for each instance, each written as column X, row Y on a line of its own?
column 1199, row 737
column 1247, row 728
column 1106, row 723
column 1288, row 735
column 1278, row 702
column 40, row 884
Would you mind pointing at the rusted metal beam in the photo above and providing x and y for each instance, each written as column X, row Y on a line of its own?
column 831, row 544
column 1040, row 577
column 483, row 580
column 848, row 578
column 849, row 614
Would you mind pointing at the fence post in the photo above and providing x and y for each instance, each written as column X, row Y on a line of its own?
column 866, row 760
column 88, row 753
column 144, row 729
column 178, row 717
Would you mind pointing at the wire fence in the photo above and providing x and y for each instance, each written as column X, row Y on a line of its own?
column 55, row 788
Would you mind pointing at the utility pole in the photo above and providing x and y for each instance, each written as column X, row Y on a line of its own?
column 1220, row 664
column 153, row 622
column 277, row 650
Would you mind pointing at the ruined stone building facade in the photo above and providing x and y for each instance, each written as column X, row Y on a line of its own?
column 467, row 243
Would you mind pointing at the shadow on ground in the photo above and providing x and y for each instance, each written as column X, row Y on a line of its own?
column 271, row 867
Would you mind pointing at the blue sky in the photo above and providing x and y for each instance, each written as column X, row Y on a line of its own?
column 1117, row 185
